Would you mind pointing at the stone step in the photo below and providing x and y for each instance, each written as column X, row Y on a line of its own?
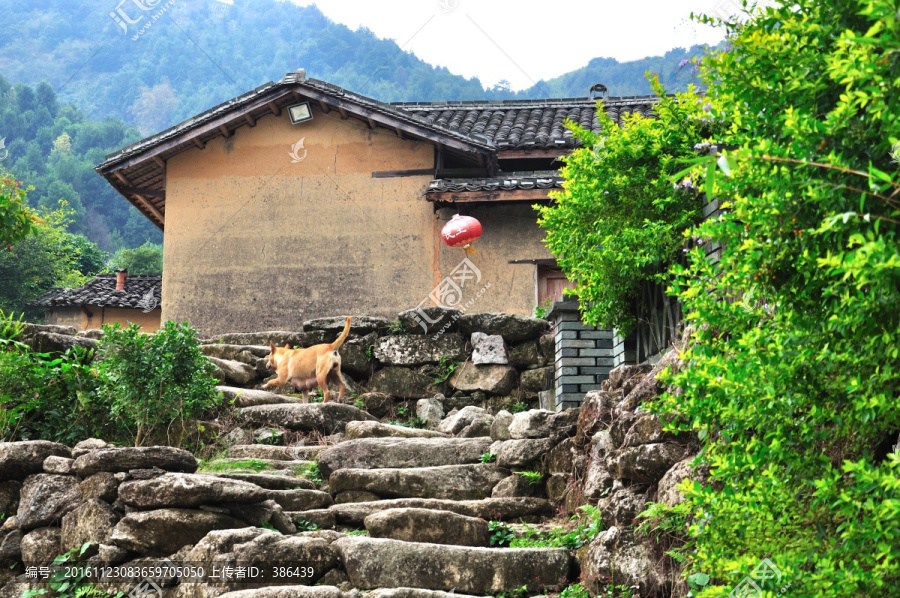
column 271, row 481
column 233, row 373
column 300, row 500
column 321, row 518
column 428, row 525
column 235, row 352
column 491, row 509
column 276, row 453
column 236, row 465
column 382, row 563
column 246, row 397
column 454, row 482
column 414, row 593
column 376, row 453
column 329, row 418
column 356, row 430
column 286, row 592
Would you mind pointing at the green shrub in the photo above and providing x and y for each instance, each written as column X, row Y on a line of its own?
column 500, row 533
column 155, row 382
column 534, row 477
column 583, row 528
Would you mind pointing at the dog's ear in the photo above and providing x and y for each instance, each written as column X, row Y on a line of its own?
column 287, row 346
column 272, row 346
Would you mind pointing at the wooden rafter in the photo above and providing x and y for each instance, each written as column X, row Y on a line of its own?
column 251, row 122
column 488, row 196
column 225, row 131
column 274, row 108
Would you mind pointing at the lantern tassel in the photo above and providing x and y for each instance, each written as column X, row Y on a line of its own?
column 469, row 249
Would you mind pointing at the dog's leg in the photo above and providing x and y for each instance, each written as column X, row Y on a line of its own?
column 306, row 396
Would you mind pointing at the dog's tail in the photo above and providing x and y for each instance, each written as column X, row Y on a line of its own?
column 340, row 340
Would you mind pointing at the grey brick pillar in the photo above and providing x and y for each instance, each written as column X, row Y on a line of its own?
column 584, row 356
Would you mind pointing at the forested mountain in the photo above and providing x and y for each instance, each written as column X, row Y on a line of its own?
column 200, row 53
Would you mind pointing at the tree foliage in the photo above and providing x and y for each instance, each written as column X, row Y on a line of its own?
column 791, row 382
column 146, row 259
column 620, row 220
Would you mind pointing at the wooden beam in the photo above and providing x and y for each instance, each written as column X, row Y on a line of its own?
column 399, row 132
column 145, row 192
column 371, row 123
column 274, row 108
column 387, row 174
column 225, row 132
column 122, row 178
column 537, row 153
column 324, row 107
column 488, row 196
column 159, row 162
column 465, row 173
column 152, row 209
column 250, row 121
column 198, row 143
column 343, row 113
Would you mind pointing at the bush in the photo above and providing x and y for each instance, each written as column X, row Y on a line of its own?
column 155, row 382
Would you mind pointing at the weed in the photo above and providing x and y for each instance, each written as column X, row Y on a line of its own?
column 69, row 582
column 501, row 533
column 225, row 466
column 268, row 526
column 584, row 527
column 310, row 471
column 518, row 407
column 488, row 458
column 370, row 353
column 576, row 590
column 446, row 367
column 358, row 532
column 541, row 310
column 305, row 526
column 360, row 404
column 11, row 329
column 402, row 410
column 534, row 477
column 396, row 327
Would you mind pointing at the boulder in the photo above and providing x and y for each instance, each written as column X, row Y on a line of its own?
column 40, row 546
column 255, row 547
column 10, row 546
column 270, row 481
column 101, row 486
column 561, row 458
column 355, row 357
column 188, row 490
column 9, row 496
column 356, row 430
column 535, row 423
column 618, row 376
column 88, row 445
column 359, row 326
column 58, row 465
column 377, row 404
column 619, row 428
column 500, row 427
column 351, row 496
column 323, row 417
column 94, row 333
column 414, row 593
column 321, row 518
column 455, row 423
column 31, row 329
column 493, row 379
column 480, row 428
column 403, row 383
column 300, row 500
column 365, row 453
column 57, row 344
column 430, row 411
column 269, row 436
column 622, row 506
column 646, row 462
column 595, row 414
column 261, row 513
column 536, row 380
column 278, row 453
column 92, row 522
column 428, row 320
column 378, row 562
column 492, row 509
column 515, row 486
column 246, row 397
column 526, row 356
column 46, row 498
column 165, row 531
column 249, row 354
column 454, row 482
column 557, row 485
column 18, row 460
column 667, row 490
column 233, row 372
column 513, row 328
column 598, row 482
column 617, row 554
column 523, row 452
column 426, row 525
column 125, row 459
column 646, row 429
column 411, row 350
column 489, row 349
column 650, row 386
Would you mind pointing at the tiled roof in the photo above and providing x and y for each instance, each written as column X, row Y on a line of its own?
column 508, row 182
column 525, row 124
column 140, row 292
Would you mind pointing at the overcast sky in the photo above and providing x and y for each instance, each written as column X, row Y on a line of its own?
column 524, row 41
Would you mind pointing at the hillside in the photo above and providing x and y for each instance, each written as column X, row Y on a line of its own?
column 201, row 53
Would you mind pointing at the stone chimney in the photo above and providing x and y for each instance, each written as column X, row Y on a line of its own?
column 121, row 275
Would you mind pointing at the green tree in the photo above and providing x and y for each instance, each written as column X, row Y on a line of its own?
column 16, row 220
column 146, row 259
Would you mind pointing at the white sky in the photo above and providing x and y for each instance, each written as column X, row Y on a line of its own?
column 524, row 41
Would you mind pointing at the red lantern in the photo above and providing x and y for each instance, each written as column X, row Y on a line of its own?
column 461, row 231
